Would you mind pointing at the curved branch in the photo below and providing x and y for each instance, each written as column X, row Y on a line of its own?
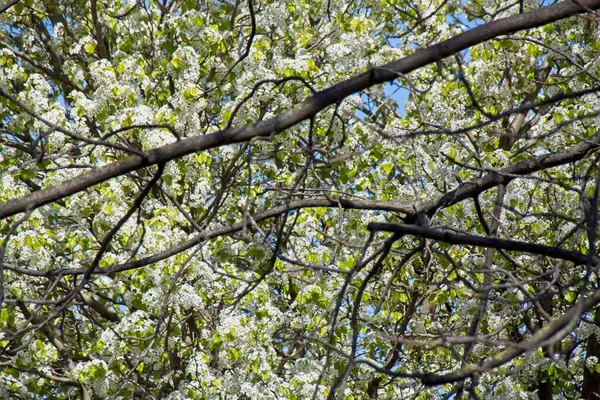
column 481, row 241
column 206, row 235
column 554, row 331
column 271, row 213
column 8, row 5
column 464, row 191
column 505, row 175
column 306, row 109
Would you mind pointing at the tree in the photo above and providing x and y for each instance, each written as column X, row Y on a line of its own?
column 316, row 199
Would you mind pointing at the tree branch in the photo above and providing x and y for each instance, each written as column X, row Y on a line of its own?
column 553, row 331
column 306, row 109
column 480, row 241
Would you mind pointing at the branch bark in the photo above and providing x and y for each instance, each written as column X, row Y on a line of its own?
column 553, row 331
column 452, row 197
column 481, row 241
column 306, row 109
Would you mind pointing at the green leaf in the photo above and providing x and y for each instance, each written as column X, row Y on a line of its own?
column 558, row 118
column 191, row 93
column 89, row 47
column 197, row 21
column 27, row 174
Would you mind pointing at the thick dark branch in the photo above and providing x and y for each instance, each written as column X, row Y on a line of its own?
column 306, row 109
column 505, row 175
column 8, row 5
column 457, row 195
column 480, row 241
column 465, row 191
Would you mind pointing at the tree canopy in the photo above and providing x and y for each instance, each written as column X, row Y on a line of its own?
column 299, row 199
